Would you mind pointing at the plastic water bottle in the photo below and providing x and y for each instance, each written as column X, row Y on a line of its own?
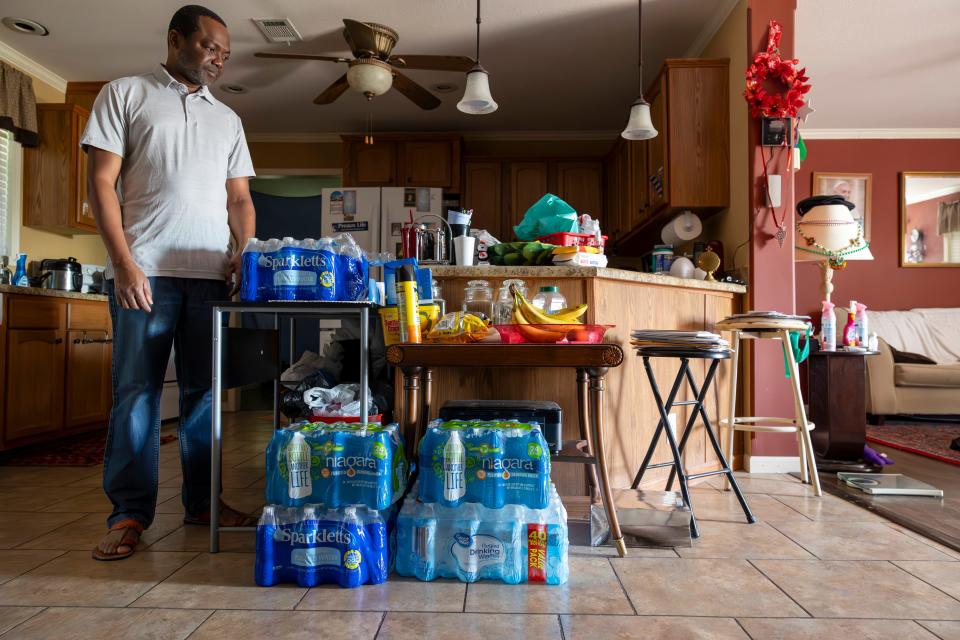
column 550, row 300
column 298, row 468
column 249, row 271
column 454, row 463
column 464, row 550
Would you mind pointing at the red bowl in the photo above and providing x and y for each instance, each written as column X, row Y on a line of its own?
column 552, row 333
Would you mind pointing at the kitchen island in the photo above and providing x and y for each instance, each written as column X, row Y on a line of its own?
column 630, row 300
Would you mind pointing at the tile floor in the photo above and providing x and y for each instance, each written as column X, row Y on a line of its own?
column 802, row 572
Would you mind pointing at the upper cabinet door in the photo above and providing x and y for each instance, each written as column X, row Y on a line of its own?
column 373, row 165
column 483, row 192
column 84, row 214
column 639, row 183
column 580, row 184
column 658, row 169
column 427, row 163
column 528, row 183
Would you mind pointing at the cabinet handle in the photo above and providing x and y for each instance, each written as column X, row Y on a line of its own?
column 85, row 340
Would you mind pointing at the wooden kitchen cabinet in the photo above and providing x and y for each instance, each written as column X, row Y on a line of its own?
column 483, row 192
column 580, row 184
column 412, row 160
column 35, row 377
column 528, row 183
column 371, row 165
column 88, row 379
column 55, row 173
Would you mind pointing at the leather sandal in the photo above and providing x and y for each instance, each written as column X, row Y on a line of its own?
column 130, row 537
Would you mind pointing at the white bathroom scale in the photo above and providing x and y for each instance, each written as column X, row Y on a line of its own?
column 889, row 484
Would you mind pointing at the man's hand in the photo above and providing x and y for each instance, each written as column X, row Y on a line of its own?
column 235, row 273
column 131, row 287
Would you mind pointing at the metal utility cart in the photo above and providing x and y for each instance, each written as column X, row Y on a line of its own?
column 246, row 356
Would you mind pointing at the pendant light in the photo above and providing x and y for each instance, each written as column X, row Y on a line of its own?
column 639, row 126
column 476, row 97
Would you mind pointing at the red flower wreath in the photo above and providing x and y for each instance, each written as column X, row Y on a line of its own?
column 768, row 65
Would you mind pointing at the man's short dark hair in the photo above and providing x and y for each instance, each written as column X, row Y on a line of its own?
column 187, row 19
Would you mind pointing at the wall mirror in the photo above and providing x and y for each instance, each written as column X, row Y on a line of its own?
column 929, row 219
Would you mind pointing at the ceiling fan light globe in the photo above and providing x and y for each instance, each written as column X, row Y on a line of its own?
column 639, row 126
column 370, row 77
column 477, row 99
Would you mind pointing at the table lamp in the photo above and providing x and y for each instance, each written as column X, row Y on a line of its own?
column 828, row 234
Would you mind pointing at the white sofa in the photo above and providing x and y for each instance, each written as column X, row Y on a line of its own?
column 930, row 389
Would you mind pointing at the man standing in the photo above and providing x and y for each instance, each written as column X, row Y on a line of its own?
column 168, row 170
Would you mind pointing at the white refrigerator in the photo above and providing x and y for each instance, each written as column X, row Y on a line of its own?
column 374, row 215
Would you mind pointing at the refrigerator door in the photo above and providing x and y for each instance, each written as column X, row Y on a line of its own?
column 396, row 203
column 353, row 211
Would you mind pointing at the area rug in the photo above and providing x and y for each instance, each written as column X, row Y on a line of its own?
column 82, row 451
column 930, row 439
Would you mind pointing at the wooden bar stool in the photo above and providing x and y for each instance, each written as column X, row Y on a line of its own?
column 771, row 329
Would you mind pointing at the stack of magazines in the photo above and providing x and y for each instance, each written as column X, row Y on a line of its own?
column 652, row 342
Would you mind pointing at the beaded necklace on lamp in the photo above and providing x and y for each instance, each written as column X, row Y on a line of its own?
column 835, row 258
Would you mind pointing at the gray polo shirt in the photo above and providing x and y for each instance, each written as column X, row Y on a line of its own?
column 178, row 149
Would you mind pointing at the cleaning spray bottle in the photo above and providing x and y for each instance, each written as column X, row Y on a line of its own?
column 20, row 278
column 828, row 327
column 850, row 329
column 863, row 334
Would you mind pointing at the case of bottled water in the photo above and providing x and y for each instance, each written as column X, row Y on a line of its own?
column 471, row 542
column 337, row 465
column 312, row 545
column 326, row 269
column 487, row 462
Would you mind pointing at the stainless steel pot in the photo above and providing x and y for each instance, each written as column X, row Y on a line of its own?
column 62, row 275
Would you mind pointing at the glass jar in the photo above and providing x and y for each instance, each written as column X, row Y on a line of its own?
column 478, row 298
column 503, row 307
column 438, row 296
column 550, row 300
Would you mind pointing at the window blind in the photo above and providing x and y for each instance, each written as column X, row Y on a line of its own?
column 5, row 193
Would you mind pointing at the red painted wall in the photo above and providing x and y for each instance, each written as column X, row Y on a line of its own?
column 880, row 283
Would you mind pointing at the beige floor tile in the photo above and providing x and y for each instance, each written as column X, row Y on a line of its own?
column 96, row 624
column 632, row 552
column 219, row 581
column 468, row 626
column 779, row 484
column 944, row 630
column 96, row 501
column 724, row 507
column 19, row 527
column 13, row 562
column 836, row 589
column 650, row 628
column 943, row 575
column 829, row 509
column 856, row 541
column 171, row 505
column 815, row 629
column 953, row 553
column 289, row 625
column 46, row 476
column 592, row 588
column 12, row 616
column 740, row 540
column 75, row 579
column 29, row 498
column 396, row 594
column 694, row 587
column 196, row 538
column 85, row 533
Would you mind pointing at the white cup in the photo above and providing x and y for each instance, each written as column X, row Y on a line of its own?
column 463, row 245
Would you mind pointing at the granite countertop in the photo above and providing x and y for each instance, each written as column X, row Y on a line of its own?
column 52, row 293
column 450, row 271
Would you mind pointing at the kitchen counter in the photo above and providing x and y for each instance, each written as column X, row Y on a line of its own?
column 542, row 273
column 52, row 293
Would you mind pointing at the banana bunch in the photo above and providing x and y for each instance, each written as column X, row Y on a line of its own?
column 525, row 315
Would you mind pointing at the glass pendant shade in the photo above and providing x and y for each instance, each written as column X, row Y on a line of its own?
column 639, row 126
column 476, row 97
column 369, row 76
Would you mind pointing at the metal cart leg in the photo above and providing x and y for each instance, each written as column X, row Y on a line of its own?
column 364, row 364
column 276, row 381
column 215, row 431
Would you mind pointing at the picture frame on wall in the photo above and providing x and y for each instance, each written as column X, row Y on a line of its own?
column 855, row 187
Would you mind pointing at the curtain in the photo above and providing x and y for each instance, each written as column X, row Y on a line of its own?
column 18, row 105
column 948, row 217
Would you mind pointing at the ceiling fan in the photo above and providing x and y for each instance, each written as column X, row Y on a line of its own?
column 373, row 69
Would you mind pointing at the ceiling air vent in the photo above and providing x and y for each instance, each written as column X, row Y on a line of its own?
column 278, row 30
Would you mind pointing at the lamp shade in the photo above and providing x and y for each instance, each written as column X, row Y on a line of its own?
column 476, row 97
column 370, row 76
column 826, row 230
column 639, row 126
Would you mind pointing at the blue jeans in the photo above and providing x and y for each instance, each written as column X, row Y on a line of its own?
column 180, row 316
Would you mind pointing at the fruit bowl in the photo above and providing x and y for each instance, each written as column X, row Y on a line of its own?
column 551, row 333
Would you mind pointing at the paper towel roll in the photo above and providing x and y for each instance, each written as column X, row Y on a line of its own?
column 683, row 228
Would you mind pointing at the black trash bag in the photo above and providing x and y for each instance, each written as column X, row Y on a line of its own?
column 292, row 404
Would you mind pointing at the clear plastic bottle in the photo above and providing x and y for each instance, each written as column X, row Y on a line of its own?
column 503, row 307
column 478, row 298
column 300, row 484
column 550, row 299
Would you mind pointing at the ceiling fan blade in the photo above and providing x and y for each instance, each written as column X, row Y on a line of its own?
column 420, row 96
column 433, row 63
column 333, row 92
column 299, row 56
column 362, row 36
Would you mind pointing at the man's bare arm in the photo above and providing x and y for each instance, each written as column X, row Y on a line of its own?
column 131, row 286
column 243, row 222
